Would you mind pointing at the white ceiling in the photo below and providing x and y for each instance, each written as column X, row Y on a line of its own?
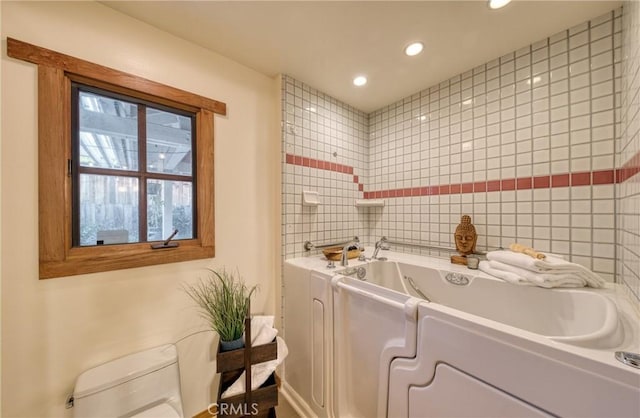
column 326, row 43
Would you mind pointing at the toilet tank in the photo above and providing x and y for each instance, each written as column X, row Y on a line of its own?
column 130, row 385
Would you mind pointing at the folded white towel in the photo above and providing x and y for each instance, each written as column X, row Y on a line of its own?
column 548, row 280
column 501, row 274
column 550, row 264
column 259, row 372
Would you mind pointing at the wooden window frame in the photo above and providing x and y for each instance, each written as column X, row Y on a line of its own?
column 58, row 257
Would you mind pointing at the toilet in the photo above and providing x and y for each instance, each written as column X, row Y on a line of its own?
column 143, row 384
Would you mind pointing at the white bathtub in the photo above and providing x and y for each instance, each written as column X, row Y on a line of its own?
column 574, row 316
column 375, row 347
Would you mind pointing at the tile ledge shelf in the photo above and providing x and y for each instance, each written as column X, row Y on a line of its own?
column 369, row 203
column 310, row 198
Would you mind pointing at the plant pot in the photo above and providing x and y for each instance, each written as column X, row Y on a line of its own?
column 231, row 345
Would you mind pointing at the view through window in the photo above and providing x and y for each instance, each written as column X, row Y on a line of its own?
column 133, row 165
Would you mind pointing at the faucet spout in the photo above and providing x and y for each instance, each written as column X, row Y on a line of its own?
column 344, row 260
column 382, row 244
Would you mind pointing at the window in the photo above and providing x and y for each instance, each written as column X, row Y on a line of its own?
column 123, row 162
column 132, row 169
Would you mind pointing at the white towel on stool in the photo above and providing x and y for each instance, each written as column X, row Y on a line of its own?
column 262, row 332
column 548, row 265
column 259, row 372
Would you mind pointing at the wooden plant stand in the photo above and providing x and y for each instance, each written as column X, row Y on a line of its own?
column 257, row 403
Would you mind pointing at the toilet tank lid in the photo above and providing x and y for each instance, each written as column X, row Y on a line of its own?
column 124, row 369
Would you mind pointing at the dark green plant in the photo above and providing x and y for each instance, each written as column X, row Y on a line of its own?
column 222, row 299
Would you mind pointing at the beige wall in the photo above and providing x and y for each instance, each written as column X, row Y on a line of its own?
column 0, row 239
column 54, row 329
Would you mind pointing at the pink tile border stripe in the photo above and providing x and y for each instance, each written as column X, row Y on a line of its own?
column 586, row 178
column 523, row 183
column 629, row 169
column 324, row 165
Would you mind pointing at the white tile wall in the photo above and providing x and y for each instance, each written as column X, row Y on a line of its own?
column 319, row 127
column 628, row 147
column 546, row 109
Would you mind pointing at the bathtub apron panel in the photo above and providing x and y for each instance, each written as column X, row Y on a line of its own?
column 551, row 379
column 453, row 393
column 308, row 324
column 321, row 355
column 371, row 327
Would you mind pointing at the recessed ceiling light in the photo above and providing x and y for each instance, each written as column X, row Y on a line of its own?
column 496, row 4
column 360, row 81
column 414, row 49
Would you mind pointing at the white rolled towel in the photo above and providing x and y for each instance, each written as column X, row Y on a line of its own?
column 262, row 330
column 550, row 264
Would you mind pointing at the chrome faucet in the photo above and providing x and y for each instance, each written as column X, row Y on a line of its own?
column 383, row 244
column 344, row 260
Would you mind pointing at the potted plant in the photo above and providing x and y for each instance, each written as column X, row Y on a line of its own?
column 223, row 299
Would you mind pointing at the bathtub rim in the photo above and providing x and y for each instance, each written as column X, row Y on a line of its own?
column 609, row 330
column 628, row 313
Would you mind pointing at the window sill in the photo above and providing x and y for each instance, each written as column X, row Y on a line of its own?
column 116, row 257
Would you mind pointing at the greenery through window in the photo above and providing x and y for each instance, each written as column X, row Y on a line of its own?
column 133, row 169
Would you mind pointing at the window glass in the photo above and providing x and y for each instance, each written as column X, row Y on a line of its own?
column 108, row 209
column 168, row 142
column 155, row 146
column 169, row 207
column 108, row 132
